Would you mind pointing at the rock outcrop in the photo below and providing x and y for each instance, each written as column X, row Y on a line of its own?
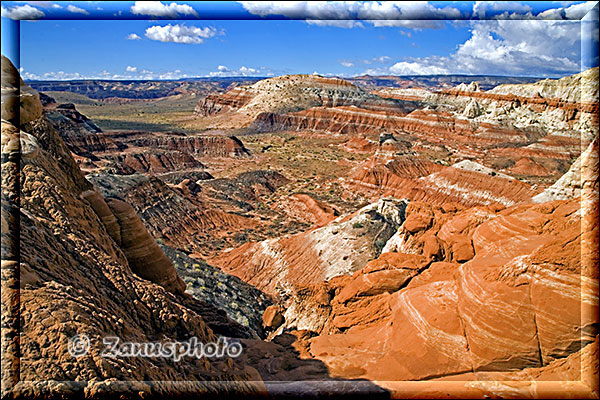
column 285, row 94
column 514, row 302
column 570, row 184
column 74, row 271
column 76, row 279
column 339, row 248
column 566, row 106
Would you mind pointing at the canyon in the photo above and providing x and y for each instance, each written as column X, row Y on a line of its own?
column 390, row 236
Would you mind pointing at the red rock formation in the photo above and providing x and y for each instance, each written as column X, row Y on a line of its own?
column 155, row 162
column 145, row 258
column 516, row 304
column 305, row 208
column 75, row 279
column 181, row 221
column 291, row 93
column 359, row 144
column 340, row 247
column 407, row 177
column 202, row 146
column 527, row 166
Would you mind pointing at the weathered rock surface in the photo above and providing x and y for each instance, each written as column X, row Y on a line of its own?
column 76, row 275
column 284, row 94
column 518, row 302
column 570, row 184
column 566, row 106
column 403, row 176
column 242, row 303
column 76, row 279
column 339, row 248
column 181, row 221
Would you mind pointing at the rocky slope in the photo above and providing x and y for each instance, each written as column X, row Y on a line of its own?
column 394, row 171
column 477, row 281
column 76, row 262
column 570, row 184
column 456, row 292
column 566, row 106
column 87, row 266
column 435, row 82
column 340, row 247
column 242, row 105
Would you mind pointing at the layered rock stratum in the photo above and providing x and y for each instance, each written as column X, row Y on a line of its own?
column 75, row 262
column 452, row 249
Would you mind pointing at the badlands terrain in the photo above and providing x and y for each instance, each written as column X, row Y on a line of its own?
column 386, row 236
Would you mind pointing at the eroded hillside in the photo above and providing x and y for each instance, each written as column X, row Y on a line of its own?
column 446, row 237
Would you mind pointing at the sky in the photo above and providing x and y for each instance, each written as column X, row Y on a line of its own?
column 173, row 40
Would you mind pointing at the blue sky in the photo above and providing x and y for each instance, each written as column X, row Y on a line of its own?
column 169, row 40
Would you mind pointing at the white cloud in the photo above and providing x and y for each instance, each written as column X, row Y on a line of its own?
column 56, row 6
column 52, row 76
column 415, row 68
column 340, row 23
column 158, row 9
column 130, row 73
column 22, row 12
column 405, row 14
column 368, row 61
column 180, row 33
column 223, row 71
column 78, row 10
column 133, row 36
column 482, row 9
column 351, row 14
column 245, row 70
column 375, row 60
column 505, row 47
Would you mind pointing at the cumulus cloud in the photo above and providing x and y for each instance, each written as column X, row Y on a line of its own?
column 52, row 76
column 351, row 14
column 22, row 12
column 78, row 10
column 347, row 64
column 483, row 9
column 409, row 14
column 158, row 9
column 131, row 69
column 513, row 41
column 180, row 33
column 133, row 36
column 505, row 47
